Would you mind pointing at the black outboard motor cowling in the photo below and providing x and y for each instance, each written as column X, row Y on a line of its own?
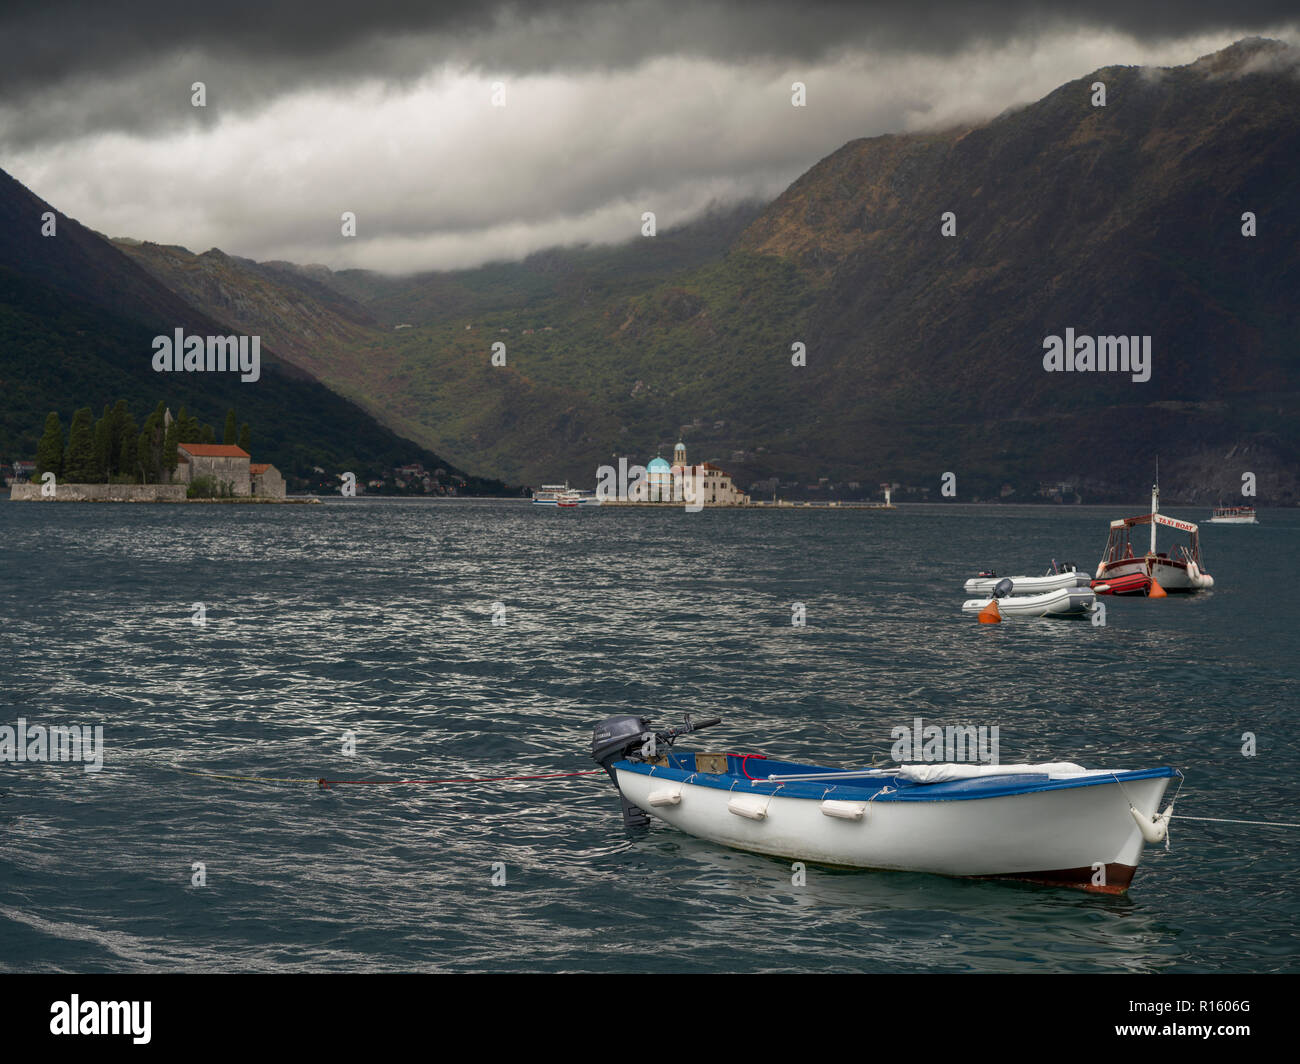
column 616, row 737
column 613, row 740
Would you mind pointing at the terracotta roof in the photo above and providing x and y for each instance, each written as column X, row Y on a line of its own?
column 259, row 467
column 214, row 450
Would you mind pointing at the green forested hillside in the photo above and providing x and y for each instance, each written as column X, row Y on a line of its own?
column 76, row 323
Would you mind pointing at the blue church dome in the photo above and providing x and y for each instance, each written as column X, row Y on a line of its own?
column 658, row 465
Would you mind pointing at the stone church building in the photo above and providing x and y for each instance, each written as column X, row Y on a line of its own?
column 226, row 463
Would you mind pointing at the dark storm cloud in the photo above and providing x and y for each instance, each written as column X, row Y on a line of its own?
column 70, row 68
column 44, row 42
column 382, row 107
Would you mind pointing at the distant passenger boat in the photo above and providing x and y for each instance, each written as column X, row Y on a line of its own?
column 1180, row 571
column 1233, row 515
column 563, row 495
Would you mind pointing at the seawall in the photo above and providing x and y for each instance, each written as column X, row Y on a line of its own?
column 31, row 492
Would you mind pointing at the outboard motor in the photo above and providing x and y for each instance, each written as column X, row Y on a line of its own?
column 628, row 737
column 615, row 739
column 1003, row 587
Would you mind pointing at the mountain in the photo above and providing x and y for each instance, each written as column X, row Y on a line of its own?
column 426, row 370
column 77, row 320
column 1122, row 219
column 925, row 352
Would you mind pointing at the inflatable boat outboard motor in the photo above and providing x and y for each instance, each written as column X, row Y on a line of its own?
column 632, row 738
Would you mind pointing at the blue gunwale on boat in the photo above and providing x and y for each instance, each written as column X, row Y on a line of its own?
column 681, row 769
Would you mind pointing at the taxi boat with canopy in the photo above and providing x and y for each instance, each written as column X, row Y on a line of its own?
column 1180, row 570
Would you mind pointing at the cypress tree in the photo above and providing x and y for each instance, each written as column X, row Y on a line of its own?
column 207, row 435
column 104, row 446
column 79, row 460
column 246, row 438
column 150, row 447
column 117, row 429
column 189, row 431
column 126, row 448
column 231, row 430
column 170, row 459
column 49, row 452
column 142, row 445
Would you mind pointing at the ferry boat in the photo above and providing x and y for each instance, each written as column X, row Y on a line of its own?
column 563, row 495
column 1233, row 515
column 1055, row 823
column 1181, row 570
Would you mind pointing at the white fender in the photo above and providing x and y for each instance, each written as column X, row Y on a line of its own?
column 844, row 810
column 667, row 796
column 1154, row 828
column 751, row 807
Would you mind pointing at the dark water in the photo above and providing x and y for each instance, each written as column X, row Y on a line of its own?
column 376, row 618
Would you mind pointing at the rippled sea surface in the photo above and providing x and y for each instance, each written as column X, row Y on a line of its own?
column 375, row 618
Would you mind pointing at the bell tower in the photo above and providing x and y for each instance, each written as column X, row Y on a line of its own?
column 679, row 455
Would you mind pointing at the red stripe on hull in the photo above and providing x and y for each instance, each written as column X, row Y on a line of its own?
column 1118, row 877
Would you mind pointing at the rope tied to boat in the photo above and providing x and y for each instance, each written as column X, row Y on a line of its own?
column 1225, row 820
column 325, row 784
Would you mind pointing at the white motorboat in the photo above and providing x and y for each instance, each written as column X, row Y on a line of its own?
column 1066, row 576
column 1180, row 571
column 1054, row 823
column 1063, row 602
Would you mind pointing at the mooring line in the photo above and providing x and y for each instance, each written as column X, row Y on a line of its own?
column 1225, row 820
column 250, row 779
column 325, row 784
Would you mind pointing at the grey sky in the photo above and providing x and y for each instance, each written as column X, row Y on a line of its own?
column 385, row 108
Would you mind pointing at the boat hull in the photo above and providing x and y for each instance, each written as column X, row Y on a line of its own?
column 1065, row 602
column 1129, row 584
column 1063, row 836
column 1172, row 575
